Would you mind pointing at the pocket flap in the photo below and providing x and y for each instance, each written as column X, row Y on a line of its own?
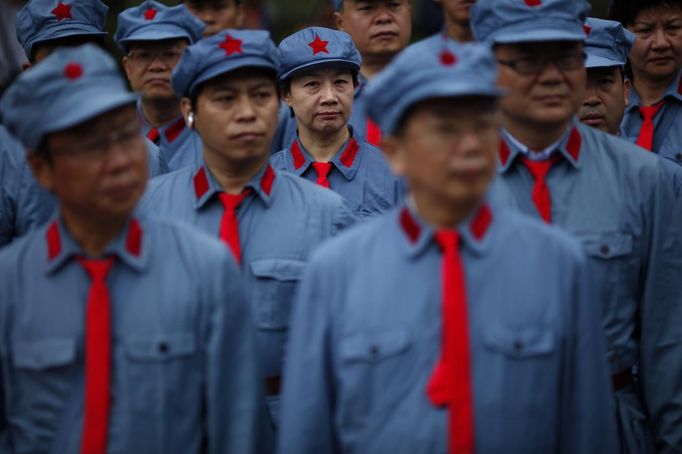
column 374, row 346
column 608, row 246
column 280, row 269
column 43, row 354
column 160, row 348
column 520, row 343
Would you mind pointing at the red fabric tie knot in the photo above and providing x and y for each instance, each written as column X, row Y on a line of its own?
column 322, row 169
column 646, row 132
column 229, row 225
column 541, row 195
column 450, row 383
column 97, row 357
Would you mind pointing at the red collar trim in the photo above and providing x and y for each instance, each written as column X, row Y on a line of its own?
column 349, row 154
column 54, row 241
column 297, row 154
column 134, row 240
column 479, row 225
column 200, row 183
column 504, row 152
column 174, row 130
column 267, row 180
column 574, row 144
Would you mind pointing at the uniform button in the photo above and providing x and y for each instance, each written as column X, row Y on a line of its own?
column 678, row 156
column 374, row 350
column 163, row 347
column 605, row 250
column 518, row 346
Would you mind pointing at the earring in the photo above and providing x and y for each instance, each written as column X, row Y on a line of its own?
column 190, row 120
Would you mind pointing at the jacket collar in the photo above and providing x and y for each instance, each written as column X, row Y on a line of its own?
column 346, row 160
column 205, row 186
column 569, row 147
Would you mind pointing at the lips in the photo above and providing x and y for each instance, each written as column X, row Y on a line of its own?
column 248, row 136
column 329, row 115
column 384, row 35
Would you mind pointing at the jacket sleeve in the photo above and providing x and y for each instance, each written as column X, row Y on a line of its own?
column 306, row 424
column 589, row 423
column 660, row 366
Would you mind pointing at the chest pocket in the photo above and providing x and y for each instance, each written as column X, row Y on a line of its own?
column 43, row 355
column 273, row 290
column 609, row 254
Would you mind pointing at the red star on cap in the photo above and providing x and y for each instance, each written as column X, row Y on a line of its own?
column 150, row 14
column 231, row 45
column 73, row 71
column 447, row 58
column 62, row 11
column 533, row 2
column 587, row 29
column 317, row 45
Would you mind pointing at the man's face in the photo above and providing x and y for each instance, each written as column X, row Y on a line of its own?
column 457, row 10
column 97, row 169
column 322, row 100
column 546, row 82
column 447, row 149
column 605, row 99
column 236, row 115
column 378, row 27
column 217, row 14
column 149, row 66
column 657, row 51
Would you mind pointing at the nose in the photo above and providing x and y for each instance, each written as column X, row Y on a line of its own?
column 550, row 72
column 591, row 98
column 328, row 94
column 245, row 110
column 383, row 15
column 659, row 40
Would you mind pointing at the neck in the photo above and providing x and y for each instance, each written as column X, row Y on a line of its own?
column 323, row 147
column 92, row 234
column 231, row 175
column 458, row 31
column 159, row 112
column 651, row 91
column 374, row 63
column 441, row 213
column 535, row 137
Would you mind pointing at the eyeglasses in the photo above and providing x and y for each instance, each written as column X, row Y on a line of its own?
column 533, row 65
column 146, row 57
column 98, row 148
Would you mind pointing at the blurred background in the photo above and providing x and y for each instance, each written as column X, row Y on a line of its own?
column 281, row 17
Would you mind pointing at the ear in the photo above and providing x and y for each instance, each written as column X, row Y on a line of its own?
column 125, row 62
column 394, row 151
column 42, row 169
column 185, row 107
column 26, row 65
column 338, row 19
column 627, row 86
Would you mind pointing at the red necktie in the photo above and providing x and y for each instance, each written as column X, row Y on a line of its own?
column 541, row 195
column 373, row 133
column 97, row 358
column 153, row 135
column 646, row 132
column 322, row 169
column 229, row 225
column 450, row 383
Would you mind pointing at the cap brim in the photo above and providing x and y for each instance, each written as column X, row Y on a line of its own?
column 595, row 61
column 227, row 66
column 154, row 35
column 537, row 35
column 336, row 63
column 78, row 107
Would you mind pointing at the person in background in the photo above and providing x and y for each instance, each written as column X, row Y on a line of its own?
column 118, row 332
column 153, row 37
column 269, row 220
column 456, row 19
column 317, row 75
column 607, row 47
column 451, row 324
column 621, row 202
column 653, row 117
column 217, row 14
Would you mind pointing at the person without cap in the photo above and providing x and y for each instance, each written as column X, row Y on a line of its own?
column 653, row 117
column 153, row 37
column 269, row 220
column 620, row 201
column 456, row 19
column 217, row 14
column 118, row 332
column 317, row 75
column 607, row 47
column 427, row 330
column 42, row 27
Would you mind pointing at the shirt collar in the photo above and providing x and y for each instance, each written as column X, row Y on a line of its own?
column 205, row 186
column 127, row 247
column 569, row 146
column 346, row 160
column 172, row 130
column 674, row 90
column 419, row 235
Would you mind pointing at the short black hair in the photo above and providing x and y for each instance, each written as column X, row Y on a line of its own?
column 43, row 150
column 194, row 95
column 626, row 11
